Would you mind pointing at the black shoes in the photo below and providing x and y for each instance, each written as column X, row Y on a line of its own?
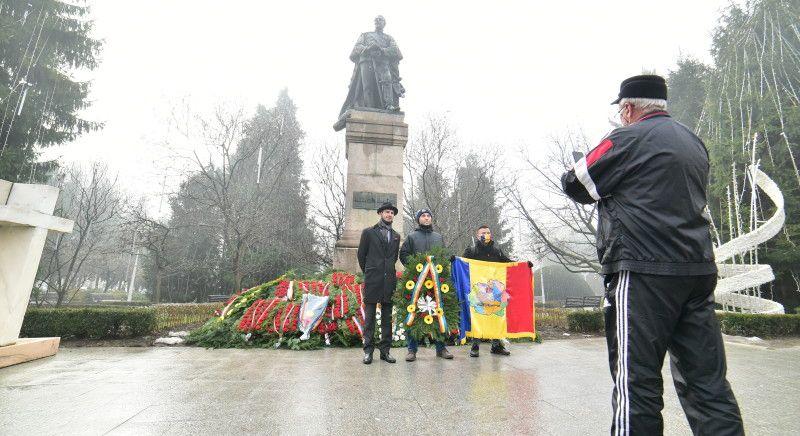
column 474, row 352
column 444, row 354
column 411, row 356
column 500, row 350
column 367, row 358
column 387, row 358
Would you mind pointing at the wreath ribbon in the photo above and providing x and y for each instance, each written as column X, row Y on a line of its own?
column 428, row 269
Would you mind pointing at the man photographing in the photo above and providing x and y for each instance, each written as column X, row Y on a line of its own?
column 650, row 178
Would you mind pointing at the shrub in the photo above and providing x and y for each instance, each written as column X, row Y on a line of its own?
column 88, row 323
column 551, row 317
column 750, row 324
column 173, row 315
column 585, row 321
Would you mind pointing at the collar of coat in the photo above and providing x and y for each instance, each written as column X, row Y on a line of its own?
column 380, row 225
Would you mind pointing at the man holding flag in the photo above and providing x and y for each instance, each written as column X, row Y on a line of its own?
column 496, row 294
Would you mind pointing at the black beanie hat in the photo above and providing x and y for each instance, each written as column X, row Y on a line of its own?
column 421, row 211
column 643, row 86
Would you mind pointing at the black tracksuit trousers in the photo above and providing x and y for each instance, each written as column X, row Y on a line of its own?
column 648, row 315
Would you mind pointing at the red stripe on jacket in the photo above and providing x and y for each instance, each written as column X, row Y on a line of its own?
column 598, row 152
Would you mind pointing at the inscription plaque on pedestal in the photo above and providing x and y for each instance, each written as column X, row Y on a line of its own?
column 374, row 142
column 372, row 200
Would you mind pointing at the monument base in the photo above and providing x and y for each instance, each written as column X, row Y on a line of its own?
column 27, row 349
column 346, row 259
column 374, row 147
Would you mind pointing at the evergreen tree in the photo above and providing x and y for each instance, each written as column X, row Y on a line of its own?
column 275, row 192
column 752, row 116
column 40, row 41
column 687, row 92
column 475, row 199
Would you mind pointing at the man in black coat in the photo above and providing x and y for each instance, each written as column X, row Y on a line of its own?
column 649, row 179
column 377, row 254
column 422, row 240
column 483, row 248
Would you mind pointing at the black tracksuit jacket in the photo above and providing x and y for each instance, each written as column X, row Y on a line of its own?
column 649, row 179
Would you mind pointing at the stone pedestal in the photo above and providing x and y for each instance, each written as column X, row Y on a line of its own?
column 25, row 218
column 375, row 143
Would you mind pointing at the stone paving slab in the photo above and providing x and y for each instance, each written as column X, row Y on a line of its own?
column 558, row 388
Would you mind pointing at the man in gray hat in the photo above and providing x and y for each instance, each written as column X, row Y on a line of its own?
column 377, row 254
column 650, row 178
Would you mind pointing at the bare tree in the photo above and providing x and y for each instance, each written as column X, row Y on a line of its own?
column 560, row 228
column 462, row 190
column 91, row 199
column 329, row 174
column 248, row 181
column 156, row 237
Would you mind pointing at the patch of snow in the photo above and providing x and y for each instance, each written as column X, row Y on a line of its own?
column 169, row 341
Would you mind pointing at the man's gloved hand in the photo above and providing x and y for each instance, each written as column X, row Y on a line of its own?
column 530, row 264
column 452, row 258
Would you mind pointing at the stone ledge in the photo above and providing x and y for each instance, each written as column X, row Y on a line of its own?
column 27, row 349
column 370, row 116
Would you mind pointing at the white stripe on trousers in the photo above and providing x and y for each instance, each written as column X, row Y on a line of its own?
column 621, row 381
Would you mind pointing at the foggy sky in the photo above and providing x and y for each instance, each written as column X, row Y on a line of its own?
column 507, row 73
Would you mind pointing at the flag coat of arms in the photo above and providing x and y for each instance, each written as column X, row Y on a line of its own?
column 496, row 299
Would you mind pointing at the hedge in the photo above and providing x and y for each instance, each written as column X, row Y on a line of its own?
column 585, row 321
column 555, row 318
column 173, row 315
column 88, row 323
column 738, row 324
column 112, row 322
column 748, row 324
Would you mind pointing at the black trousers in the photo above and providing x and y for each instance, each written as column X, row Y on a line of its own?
column 648, row 315
column 476, row 343
column 369, row 328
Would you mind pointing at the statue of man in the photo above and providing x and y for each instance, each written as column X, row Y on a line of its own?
column 376, row 77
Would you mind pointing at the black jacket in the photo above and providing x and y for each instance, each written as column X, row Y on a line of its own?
column 419, row 241
column 377, row 257
column 488, row 252
column 650, row 179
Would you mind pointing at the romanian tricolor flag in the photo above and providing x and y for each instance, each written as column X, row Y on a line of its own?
column 496, row 299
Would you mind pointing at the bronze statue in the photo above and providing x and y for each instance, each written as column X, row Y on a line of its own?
column 376, row 77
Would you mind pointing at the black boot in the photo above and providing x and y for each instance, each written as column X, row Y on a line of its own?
column 475, row 351
column 501, row 350
column 388, row 357
column 367, row 358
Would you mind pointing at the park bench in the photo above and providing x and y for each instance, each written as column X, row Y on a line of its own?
column 585, row 301
column 218, row 298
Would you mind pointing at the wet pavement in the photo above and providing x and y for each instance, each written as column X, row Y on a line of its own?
column 558, row 387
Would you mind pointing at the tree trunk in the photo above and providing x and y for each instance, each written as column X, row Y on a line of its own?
column 237, row 278
column 157, row 295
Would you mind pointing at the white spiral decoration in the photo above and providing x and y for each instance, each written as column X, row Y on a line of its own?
column 737, row 277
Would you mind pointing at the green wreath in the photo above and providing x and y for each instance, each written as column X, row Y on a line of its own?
column 435, row 312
